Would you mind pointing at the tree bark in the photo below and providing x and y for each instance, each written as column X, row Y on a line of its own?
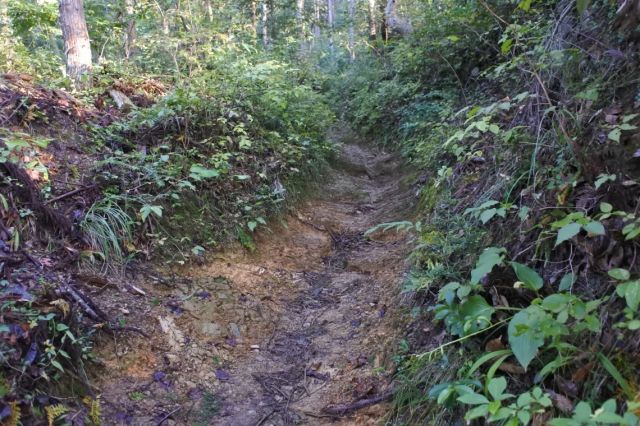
column 208, row 9
column 393, row 23
column 265, row 23
column 373, row 26
column 6, row 36
column 131, row 34
column 351, row 35
column 77, row 47
column 300, row 18
column 254, row 18
column 316, row 20
column 330, row 21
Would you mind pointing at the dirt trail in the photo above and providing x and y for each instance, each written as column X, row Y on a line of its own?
column 311, row 319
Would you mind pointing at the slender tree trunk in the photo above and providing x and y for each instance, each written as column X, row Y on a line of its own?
column 352, row 17
column 77, row 47
column 330, row 22
column 208, row 10
column 373, row 30
column 131, row 34
column 7, row 46
column 393, row 23
column 265, row 23
column 300, row 18
column 254, row 17
column 316, row 20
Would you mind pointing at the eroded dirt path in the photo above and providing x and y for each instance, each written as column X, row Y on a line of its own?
column 309, row 320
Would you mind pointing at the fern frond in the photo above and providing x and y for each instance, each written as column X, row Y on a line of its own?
column 55, row 411
column 95, row 409
column 14, row 418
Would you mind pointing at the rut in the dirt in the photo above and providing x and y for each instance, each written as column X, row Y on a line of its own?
column 310, row 320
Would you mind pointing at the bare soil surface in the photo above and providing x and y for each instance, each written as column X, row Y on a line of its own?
column 311, row 319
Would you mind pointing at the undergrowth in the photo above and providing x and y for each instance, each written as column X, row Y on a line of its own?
column 523, row 127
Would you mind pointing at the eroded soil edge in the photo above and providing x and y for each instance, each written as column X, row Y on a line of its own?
column 312, row 318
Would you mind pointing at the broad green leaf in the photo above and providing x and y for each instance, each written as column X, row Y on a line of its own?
column 489, row 258
column 528, row 276
column 198, row 172
column 594, row 228
column 473, row 399
column 606, row 208
column 252, row 225
column 146, row 210
column 477, row 412
column 632, row 294
column 619, row 274
column 487, row 215
column 614, row 135
column 567, row 282
column 567, row 232
column 524, row 336
column 497, row 387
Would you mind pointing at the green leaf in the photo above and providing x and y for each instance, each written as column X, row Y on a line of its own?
column 252, row 225
column 606, row 208
column 57, row 365
column 528, row 276
column 497, row 387
column 198, row 172
column 567, row 281
column 632, row 295
column 146, row 210
column 567, row 232
column 473, row 399
column 489, row 258
column 619, row 274
column 594, row 228
column 476, row 412
column 487, row 215
column 614, row 135
column 525, row 5
column 524, row 337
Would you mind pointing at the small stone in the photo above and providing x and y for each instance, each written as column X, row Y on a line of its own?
column 212, row 329
column 257, row 347
column 234, row 330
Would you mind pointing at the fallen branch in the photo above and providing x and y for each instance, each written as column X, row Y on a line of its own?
column 342, row 409
column 84, row 302
column 128, row 328
column 69, row 194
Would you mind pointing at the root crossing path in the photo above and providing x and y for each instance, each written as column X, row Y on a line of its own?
column 310, row 320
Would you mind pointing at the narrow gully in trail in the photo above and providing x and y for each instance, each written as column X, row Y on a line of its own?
column 273, row 337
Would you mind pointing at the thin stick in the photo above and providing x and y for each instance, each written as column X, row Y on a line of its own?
column 162, row 420
column 342, row 409
column 69, row 194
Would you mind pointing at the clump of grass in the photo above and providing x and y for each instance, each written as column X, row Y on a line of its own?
column 106, row 227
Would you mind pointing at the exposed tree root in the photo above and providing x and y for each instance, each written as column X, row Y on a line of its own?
column 343, row 409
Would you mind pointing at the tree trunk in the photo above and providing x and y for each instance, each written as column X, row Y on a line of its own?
column 77, row 47
column 393, row 23
column 254, row 18
column 316, row 20
column 352, row 13
column 330, row 22
column 6, row 36
column 373, row 32
column 131, row 35
column 208, row 10
column 265, row 23
column 300, row 18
